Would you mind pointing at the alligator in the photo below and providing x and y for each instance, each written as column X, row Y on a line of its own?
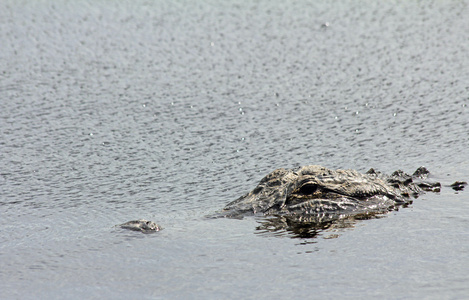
column 316, row 190
column 317, row 196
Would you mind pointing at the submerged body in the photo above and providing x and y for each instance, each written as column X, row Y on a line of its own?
column 317, row 192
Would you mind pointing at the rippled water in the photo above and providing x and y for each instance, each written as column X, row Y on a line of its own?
column 118, row 110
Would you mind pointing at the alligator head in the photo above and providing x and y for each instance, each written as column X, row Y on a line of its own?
column 316, row 190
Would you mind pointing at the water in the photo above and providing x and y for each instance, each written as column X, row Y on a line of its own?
column 114, row 111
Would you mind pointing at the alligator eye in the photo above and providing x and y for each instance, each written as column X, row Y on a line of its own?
column 308, row 189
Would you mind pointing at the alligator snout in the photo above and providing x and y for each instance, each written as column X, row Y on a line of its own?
column 141, row 225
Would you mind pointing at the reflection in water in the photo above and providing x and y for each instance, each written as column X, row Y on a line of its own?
column 310, row 227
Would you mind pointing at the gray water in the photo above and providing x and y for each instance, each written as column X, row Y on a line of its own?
column 167, row 110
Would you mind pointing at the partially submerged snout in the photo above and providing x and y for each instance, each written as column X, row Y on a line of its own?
column 141, row 225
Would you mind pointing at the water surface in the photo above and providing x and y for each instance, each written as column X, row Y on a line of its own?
column 118, row 110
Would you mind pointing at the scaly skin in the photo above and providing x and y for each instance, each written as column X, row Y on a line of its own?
column 315, row 190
